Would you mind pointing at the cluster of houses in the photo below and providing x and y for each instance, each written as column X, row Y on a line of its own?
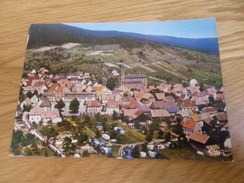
column 201, row 109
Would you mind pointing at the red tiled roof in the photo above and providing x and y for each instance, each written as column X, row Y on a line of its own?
column 133, row 104
column 160, row 96
column 112, row 103
column 196, row 117
column 198, row 137
column 187, row 104
column 148, row 95
column 139, row 95
column 159, row 113
column 93, row 103
column 189, row 124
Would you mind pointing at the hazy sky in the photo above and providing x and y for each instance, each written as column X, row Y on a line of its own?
column 198, row 28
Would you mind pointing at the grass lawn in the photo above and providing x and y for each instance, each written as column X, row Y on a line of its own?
column 131, row 136
column 188, row 153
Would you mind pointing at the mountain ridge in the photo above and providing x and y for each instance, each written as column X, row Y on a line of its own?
column 53, row 34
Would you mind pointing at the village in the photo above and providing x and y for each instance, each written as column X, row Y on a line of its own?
column 74, row 115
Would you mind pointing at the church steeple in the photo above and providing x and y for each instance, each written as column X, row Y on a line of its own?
column 121, row 75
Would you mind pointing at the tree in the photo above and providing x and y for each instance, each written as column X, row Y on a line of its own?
column 167, row 136
column 98, row 134
column 149, row 137
column 60, row 105
column 137, row 125
column 45, row 131
column 211, row 99
column 144, row 147
column 113, row 134
column 29, row 94
column 160, row 134
column 27, row 108
column 111, row 83
column 68, row 146
column 201, row 87
column 115, row 115
column 87, row 118
column 74, row 106
column 21, row 95
column 136, row 152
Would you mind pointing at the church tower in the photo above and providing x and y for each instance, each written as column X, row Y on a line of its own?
column 121, row 75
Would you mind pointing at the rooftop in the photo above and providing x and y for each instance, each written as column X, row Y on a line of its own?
column 134, row 76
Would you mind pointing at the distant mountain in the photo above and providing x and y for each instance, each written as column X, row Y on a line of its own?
column 56, row 34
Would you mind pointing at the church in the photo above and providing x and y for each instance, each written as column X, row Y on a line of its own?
column 131, row 80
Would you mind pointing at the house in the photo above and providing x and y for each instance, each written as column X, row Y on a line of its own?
column 201, row 118
column 190, row 126
column 144, row 109
column 188, row 105
column 45, row 105
column 198, row 137
column 131, row 125
column 150, row 88
column 213, row 150
column 82, row 97
column 173, row 109
column 162, row 105
column 134, row 114
column 35, row 115
column 28, row 89
column 132, row 105
column 129, row 112
column 148, row 97
column 52, row 116
column 170, row 99
column 26, row 102
column 159, row 113
column 185, row 113
column 160, row 96
column 138, row 96
column 112, row 106
column 93, row 107
column 210, row 110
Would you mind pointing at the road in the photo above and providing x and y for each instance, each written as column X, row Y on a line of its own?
column 161, row 80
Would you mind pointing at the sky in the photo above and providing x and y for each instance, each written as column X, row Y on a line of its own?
column 196, row 28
